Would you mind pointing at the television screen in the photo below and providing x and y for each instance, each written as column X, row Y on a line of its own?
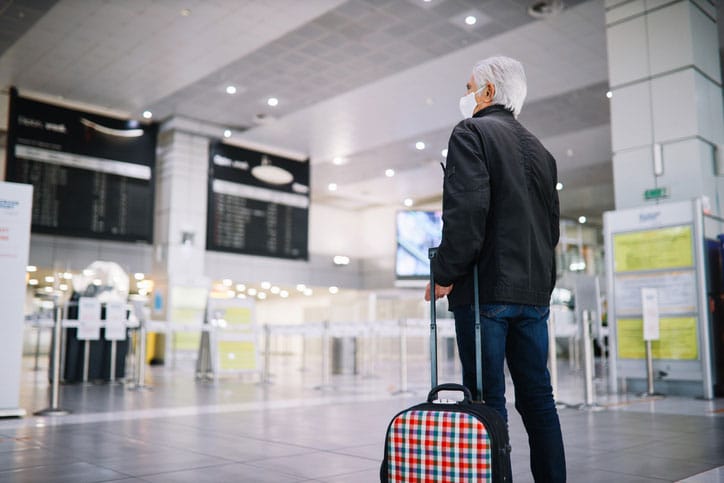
column 417, row 231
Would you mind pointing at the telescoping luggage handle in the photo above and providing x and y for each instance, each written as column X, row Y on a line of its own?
column 433, row 332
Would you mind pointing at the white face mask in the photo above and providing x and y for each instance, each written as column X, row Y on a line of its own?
column 468, row 104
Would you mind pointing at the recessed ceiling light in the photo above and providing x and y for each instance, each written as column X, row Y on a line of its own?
column 251, row 292
column 261, row 295
column 147, row 114
column 332, row 186
column 333, row 290
column 230, row 89
column 301, row 287
column 581, row 219
column 31, row 268
column 272, row 101
column 185, row 12
column 227, row 133
column 408, row 202
column 227, row 282
column 444, row 153
column 470, row 20
column 33, row 281
column 559, row 186
column 275, row 290
column 339, row 161
column 340, row 260
column 266, row 285
column 308, row 292
column 419, row 145
column 241, row 287
column 49, row 279
column 609, row 94
column 284, row 294
column 139, row 276
column 389, row 173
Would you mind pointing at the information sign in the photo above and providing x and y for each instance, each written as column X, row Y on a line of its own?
column 650, row 304
column 115, row 320
column 89, row 318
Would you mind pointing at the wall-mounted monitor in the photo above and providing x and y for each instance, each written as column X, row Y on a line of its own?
column 417, row 231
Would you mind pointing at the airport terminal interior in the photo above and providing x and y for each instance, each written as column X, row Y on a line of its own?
column 215, row 218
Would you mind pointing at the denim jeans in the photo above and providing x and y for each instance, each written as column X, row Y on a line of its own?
column 518, row 333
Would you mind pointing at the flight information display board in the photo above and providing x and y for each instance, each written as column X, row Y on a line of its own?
column 258, row 203
column 93, row 175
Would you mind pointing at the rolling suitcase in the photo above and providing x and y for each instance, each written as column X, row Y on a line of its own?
column 448, row 442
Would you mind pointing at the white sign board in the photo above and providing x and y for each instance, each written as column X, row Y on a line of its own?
column 89, row 318
column 650, row 306
column 15, row 214
column 115, row 321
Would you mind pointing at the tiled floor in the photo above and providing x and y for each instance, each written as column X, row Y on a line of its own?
column 237, row 431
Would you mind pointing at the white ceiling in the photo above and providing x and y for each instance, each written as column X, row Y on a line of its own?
column 362, row 79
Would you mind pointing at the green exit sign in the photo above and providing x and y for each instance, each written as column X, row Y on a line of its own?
column 656, row 194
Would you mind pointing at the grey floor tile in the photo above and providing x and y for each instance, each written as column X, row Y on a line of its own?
column 159, row 462
column 317, row 465
column 366, row 476
column 635, row 464
column 224, row 473
column 31, row 457
column 61, row 473
column 715, row 475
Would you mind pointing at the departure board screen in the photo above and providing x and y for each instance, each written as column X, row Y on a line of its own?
column 93, row 175
column 258, row 203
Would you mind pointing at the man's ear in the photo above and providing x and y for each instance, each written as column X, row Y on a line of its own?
column 488, row 92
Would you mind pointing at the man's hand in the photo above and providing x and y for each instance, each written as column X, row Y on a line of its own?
column 440, row 291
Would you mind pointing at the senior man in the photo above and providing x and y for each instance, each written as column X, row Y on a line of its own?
column 500, row 216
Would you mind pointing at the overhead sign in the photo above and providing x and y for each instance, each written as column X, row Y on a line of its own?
column 258, row 203
column 656, row 194
column 93, row 175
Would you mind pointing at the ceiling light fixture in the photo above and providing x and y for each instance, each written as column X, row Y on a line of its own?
column 419, row 145
column 389, row 173
column 227, row 133
column 471, row 20
column 339, row 161
column 33, row 281
column 581, row 219
column 265, row 285
column 609, row 94
column 333, row 290
column 332, row 186
column 251, row 292
column 308, row 292
column 301, row 287
column 340, row 260
column 147, row 114
column 408, row 202
column 284, row 294
column 559, row 186
column 31, row 268
column 231, row 90
column 272, row 101
column 275, row 290
column 444, row 153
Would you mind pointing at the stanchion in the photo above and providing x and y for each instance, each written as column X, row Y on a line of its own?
column 266, row 375
column 112, row 375
column 404, row 389
column 650, row 392
column 86, row 361
column 304, row 352
column 325, row 358
column 589, row 402
column 140, row 384
column 54, row 409
column 38, row 328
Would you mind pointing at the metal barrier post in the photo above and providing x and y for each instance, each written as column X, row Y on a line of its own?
column 266, row 375
column 141, row 365
column 54, row 409
column 650, row 392
column 588, row 362
column 114, row 349
column 404, row 389
column 86, row 360
column 325, row 357
column 38, row 328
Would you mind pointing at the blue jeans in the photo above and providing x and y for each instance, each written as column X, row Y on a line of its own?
column 518, row 333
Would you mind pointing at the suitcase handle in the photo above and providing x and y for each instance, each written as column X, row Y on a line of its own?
column 467, row 396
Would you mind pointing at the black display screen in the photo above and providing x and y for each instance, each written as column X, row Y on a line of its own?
column 93, row 175
column 258, row 203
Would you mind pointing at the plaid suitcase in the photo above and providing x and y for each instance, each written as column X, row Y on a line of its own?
column 448, row 442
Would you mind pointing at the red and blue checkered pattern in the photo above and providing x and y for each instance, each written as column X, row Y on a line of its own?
column 438, row 446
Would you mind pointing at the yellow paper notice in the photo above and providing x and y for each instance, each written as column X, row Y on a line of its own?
column 678, row 339
column 653, row 249
column 237, row 356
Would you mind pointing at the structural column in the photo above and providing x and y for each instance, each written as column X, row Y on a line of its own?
column 666, row 100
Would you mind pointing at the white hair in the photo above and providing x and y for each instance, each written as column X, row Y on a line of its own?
column 508, row 77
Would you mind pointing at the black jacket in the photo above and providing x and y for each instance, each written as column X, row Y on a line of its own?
column 500, row 206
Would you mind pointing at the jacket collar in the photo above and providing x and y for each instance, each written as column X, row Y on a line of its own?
column 492, row 109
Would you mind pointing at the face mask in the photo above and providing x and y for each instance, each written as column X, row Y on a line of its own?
column 468, row 104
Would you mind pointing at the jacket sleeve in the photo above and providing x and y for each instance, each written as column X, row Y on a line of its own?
column 465, row 204
column 555, row 222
